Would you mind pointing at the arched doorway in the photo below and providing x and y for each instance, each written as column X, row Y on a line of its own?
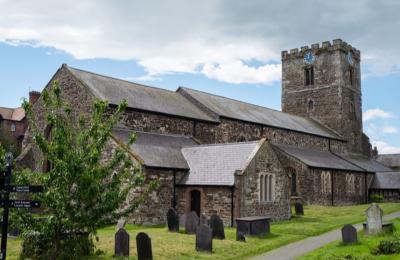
column 195, row 201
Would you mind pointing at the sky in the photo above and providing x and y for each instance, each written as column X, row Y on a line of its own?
column 226, row 47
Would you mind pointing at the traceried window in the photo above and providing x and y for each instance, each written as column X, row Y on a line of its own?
column 309, row 76
column 267, row 187
column 326, row 182
column 241, row 139
column 350, row 184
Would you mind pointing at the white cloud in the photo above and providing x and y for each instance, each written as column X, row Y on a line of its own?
column 385, row 148
column 237, row 72
column 208, row 37
column 371, row 114
column 390, row 130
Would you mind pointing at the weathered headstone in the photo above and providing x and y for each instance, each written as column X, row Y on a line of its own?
column 217, row 227
column 191, row 223
column 240, row 236
column 182, row 220
column 349, row 234
column 173, row 220
column 120, row 224
column 299, row 208
column 121, row 247
column 204, row 220
column 204, row 238
column 374, row 219
column 143, row 245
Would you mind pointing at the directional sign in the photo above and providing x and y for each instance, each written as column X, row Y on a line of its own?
column 20, row 203
column 24, row 188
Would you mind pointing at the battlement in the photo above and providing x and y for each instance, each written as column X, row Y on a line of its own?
column 336, row 44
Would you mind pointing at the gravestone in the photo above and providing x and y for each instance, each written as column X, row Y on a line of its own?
column 191, row 223
column 349, row 234
column 121, row 247
column 240, row 236
column 299, row 208
column 204, row 238
column 217, row 227
column 173, row 220
column 182, row 220
column 204, row 220
column 374, row 220
column 120, row 224
column 143, row 245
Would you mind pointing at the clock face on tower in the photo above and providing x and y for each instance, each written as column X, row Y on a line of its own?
column 350, row 58
column 309, row 58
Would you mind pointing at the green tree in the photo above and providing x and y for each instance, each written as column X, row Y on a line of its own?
column 82, row 191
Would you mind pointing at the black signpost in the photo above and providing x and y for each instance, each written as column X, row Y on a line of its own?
column 6, row 203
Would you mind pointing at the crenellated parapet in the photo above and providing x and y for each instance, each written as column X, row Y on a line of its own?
column 317, row 48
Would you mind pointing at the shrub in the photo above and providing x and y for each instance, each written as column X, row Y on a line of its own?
column 388, row 247
column 376, row 198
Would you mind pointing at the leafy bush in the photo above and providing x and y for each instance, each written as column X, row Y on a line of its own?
column 375, row 198
column 388, row 247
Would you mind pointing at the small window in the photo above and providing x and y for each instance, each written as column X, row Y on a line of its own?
column 351, row 76
column 310, row 105
column 241, row 139
column 352, row 108
column 267, row 186
column 13, row 128
column 309, row 76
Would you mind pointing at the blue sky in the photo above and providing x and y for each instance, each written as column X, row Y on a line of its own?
column 230, row 48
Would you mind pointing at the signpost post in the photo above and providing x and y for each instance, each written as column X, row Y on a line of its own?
column 6, row 203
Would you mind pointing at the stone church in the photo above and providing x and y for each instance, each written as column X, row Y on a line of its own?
column 213, row 154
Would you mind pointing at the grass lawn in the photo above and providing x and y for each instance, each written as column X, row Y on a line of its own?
column 336, row 250
column 166, row 245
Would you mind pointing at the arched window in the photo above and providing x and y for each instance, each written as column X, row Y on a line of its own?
column 360, row 188
column 310, row 105
column 350, row 183
column 267, row 187
column 351, row 76
column 293, row 181
column 326, row 182
column 309, row 76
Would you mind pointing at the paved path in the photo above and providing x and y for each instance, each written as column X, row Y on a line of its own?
column 299, row 248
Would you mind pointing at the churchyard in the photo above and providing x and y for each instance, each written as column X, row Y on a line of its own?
column 179, row 245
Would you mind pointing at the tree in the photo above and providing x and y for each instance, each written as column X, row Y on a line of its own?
column 82, row 190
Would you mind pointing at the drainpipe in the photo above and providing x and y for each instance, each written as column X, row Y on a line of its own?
column 232, row 204
column 332, row 185
column 174, row 195
column 366, row 187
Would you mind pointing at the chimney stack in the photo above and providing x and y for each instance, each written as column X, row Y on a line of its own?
column 33, row 96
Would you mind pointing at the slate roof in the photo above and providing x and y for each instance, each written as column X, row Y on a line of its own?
column 157, row 150
column 216, row 164
column 317, row 159
column 390, row 160
column 230, row 108
column 365, row 163
column 14, row 114
column 139, row 96
column 386, row 180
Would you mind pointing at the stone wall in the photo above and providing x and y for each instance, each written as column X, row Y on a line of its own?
column 388, row 195
column 265, row 161
column 214, row 200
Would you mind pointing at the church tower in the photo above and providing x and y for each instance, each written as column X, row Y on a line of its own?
column 324, row 83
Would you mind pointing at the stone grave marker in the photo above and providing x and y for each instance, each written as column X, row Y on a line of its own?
column 121, row 247
column 299, row 208
column 349, row 234
column 204, row 238
column 204, row 220
column 182, row 220
column 191, row 223
column 173, row 220
column 143, row 245
column 217, row 227
column 374, row 219
column 240, row 236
